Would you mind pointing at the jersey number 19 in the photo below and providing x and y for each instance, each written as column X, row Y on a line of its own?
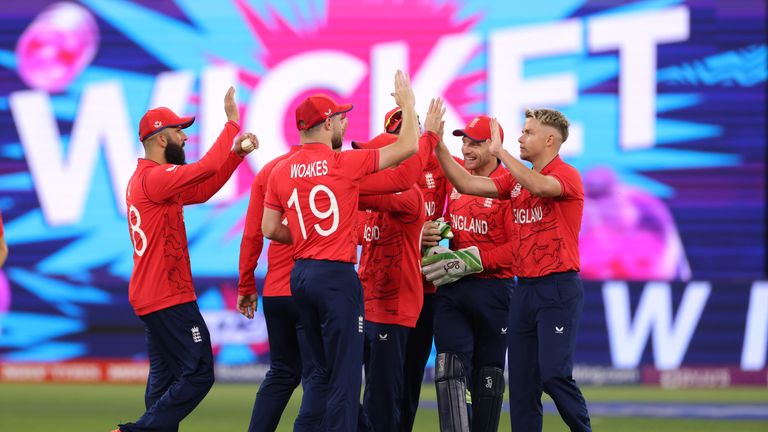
column 333, row 210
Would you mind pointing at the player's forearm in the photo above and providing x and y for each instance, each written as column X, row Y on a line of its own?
column 250, row 249
column 3, row 251
column 280, row 234
column 535, row 182
column 498, row 258
column 407, row 143
column 209, row 187
column 410, row 129
column 461, row 179
column 221, row 148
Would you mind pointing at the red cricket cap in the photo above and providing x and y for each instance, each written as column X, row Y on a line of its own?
column 160, row 118
column 478, row 129
column 377, row 142
column 393, row 119
column 315, row 109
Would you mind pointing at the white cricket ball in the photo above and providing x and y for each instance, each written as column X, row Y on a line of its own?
column 247, row 145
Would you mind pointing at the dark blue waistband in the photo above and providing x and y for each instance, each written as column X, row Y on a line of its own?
column 551, row 276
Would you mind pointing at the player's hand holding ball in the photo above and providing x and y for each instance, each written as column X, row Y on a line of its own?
column 246, row 144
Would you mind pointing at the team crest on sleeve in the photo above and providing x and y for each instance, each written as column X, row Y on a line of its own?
column 516, row 191
column 488, row 202
column 455, row 194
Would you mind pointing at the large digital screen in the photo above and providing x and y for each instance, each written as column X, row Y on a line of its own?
column 666, row 100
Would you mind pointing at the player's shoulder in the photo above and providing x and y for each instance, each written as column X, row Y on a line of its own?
column 558, row 165
column 272, row 165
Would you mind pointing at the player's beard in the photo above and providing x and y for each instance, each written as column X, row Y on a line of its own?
column 174, row 153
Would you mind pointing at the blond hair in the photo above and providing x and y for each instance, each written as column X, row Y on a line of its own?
column 552, row 118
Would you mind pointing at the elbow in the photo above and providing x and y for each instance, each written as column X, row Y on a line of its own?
column 543, row 191
column 268, row 231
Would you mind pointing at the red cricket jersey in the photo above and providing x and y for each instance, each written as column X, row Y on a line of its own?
column 156, row 193
column 485, row 223
column 548, row 227
column 404, row 175
column 317, row 188
column 279, row 256
column 433, row 187
column 390, row 268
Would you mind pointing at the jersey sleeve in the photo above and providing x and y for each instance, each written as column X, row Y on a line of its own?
column 502, row 256
column 253, row 239
column 205, row 190
column 272, row 197
column 402, row 176
column 406, row 206
column 167, row 181
column 570, row 181
column 355, row 164
column 504, row 185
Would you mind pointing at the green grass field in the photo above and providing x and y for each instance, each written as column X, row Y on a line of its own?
column 79, row 408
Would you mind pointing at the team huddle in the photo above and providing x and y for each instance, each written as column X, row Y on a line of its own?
column 507, row 285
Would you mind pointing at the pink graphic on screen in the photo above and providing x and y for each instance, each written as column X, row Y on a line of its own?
column 59, row 43
column 627, row 233
column 355, row 27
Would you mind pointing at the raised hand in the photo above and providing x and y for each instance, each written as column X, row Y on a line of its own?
column 230, row 106
column 495, row 145
column 403, row 91
column 435, row 114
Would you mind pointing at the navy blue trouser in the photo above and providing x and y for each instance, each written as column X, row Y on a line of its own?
column 471, row 319
column 383, row 358
column 544, row 318
column 417, row 351
column 180, row 367
column 288, row 362
column 329, row 298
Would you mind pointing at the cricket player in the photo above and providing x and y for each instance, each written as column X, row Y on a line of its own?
column 545, row 306
column 391, row 228
column 317, row 190
column 471, row 313
column 161, row 289
column 431, row 181
column 288, row 356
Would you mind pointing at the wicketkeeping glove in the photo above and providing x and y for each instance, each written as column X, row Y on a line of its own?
column 442, row 266
column 445, row 229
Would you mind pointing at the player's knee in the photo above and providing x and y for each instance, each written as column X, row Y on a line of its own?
column 203, row 379
column 552, row 382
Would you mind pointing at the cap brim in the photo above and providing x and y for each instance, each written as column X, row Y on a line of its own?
column 377, row 142
column 461, row 132
column 344, row 108
column 184, row 122
column 393, row 125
